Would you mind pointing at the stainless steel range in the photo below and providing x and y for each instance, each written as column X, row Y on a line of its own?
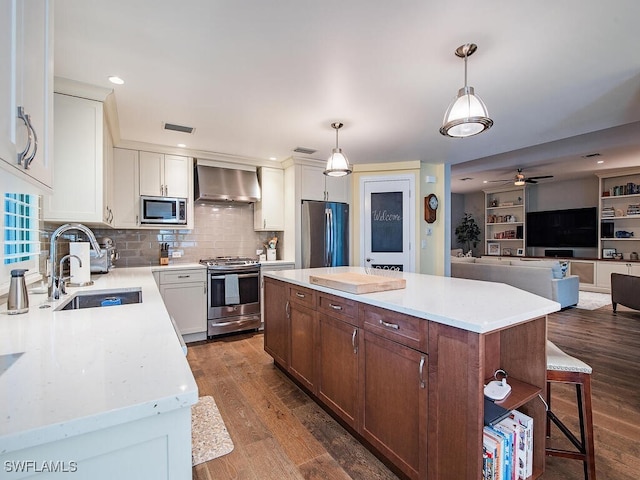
column 233, row 294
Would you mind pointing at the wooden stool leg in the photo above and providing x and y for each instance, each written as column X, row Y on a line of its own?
column 587, row 421
column 548, row 409
column 585, row 446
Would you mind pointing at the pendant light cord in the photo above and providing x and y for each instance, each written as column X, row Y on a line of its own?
column 466, row 55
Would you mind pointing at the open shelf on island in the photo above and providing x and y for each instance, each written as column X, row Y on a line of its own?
column 521, row 393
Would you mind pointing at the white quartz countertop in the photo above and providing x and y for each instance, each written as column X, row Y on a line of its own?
column 472, row 305
column 70, row 372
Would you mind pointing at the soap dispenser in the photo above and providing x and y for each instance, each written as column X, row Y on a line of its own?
column 18, row 300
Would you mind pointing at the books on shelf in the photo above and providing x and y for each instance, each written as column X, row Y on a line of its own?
column 508, row 448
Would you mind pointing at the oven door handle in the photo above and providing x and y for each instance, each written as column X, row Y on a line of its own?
column 242, row 275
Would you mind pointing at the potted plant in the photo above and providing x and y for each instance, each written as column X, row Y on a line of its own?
column 468, row 232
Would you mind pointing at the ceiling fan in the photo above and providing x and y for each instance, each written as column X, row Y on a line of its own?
column 520, row 179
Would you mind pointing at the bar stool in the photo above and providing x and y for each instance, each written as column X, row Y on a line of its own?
column 563, row 368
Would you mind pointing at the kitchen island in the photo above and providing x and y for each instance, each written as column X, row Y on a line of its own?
column 100, row 393
column 404, row 369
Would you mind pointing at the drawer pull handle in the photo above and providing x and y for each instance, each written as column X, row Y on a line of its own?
column 184, row 276
column 389, row 325
column 335, row 307
column 300, row 295
column 421, row 369
column 353, row 340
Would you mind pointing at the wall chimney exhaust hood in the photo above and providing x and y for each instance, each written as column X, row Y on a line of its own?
column 214, row 183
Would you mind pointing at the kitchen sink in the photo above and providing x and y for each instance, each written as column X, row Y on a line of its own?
column 102, row 298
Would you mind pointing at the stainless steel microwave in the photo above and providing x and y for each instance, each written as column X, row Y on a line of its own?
column 163, row 210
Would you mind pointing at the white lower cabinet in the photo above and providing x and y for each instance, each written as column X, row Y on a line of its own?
column 157, row 446
column 184, row 292
column 606, row 268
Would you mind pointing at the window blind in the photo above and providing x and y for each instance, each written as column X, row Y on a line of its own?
column 21, row 235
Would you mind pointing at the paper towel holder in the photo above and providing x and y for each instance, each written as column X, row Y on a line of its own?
column 87, row 261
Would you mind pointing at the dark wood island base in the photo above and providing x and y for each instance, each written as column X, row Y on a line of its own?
column 409, row 388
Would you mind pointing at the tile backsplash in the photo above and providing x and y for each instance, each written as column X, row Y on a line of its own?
column 219, row 229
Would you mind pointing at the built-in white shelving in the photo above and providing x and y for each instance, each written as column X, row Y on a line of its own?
column 504, row 227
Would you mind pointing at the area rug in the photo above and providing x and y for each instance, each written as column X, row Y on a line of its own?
column 593, row 300
column 209, row 436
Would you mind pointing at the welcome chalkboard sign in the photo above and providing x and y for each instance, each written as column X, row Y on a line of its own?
column 386, row 222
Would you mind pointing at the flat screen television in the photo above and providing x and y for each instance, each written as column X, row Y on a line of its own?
column 576, row 227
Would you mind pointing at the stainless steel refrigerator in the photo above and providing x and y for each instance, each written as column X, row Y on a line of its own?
column 325, row 234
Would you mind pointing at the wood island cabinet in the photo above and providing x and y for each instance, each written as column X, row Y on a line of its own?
column 339, row 345
column 395, row 403
column 303, row 323
column 411, row 388
column 276, row 338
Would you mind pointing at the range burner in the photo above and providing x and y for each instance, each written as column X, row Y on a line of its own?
column 229, row 262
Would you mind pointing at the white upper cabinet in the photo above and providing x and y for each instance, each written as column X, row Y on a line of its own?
column 164, row 175
column 83, row 172
column 26, row 90
column 126, row 197
column 315, row 185
column 268, row 213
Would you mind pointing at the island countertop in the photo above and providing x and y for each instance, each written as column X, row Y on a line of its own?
column 472, row 305
column 65, row 373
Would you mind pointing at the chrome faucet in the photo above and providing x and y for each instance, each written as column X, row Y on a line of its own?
column 62, row 279
column 54, row 281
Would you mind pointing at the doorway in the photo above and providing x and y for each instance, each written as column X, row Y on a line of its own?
column 387, row 222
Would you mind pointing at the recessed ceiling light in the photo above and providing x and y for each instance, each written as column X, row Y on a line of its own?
column 181, row 145
column 273, row 158
column 600, row 161
column 116, row 80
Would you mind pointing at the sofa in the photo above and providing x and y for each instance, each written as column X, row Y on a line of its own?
column 625, row 290
column 541, row 277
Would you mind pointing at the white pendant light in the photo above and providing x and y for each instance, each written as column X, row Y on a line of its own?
column 337, row 165
column 467, row 115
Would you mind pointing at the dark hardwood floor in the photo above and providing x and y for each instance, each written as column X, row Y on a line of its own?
column 280, row 433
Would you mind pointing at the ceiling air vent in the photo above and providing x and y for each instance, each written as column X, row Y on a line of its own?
column 178, row 128
column 305, row 150
column 591, row 155
column 466, row 179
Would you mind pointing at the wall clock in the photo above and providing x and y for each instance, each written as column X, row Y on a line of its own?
column 430, row 207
